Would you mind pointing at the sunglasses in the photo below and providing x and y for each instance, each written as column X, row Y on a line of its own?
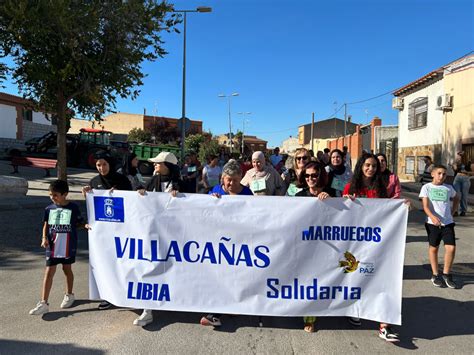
column 301, row 158
column 312, row 176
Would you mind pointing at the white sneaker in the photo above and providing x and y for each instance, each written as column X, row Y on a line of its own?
column 68, row 300
column 41, row 308
column 145, row 318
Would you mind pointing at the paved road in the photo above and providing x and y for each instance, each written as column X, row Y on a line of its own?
column 434, row 320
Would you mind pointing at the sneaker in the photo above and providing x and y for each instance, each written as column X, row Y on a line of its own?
column 145, row 318
column 448, row 280
column 68, row 300
column 104, row 305
column 388, row 335
column 211, row 320
column 41, row 308
column 436, row 281
column 462, row 214
column 355, row 321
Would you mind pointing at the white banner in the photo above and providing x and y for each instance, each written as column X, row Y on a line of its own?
column 265, row 255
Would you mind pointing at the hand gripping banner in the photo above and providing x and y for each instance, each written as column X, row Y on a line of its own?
column 265, row 255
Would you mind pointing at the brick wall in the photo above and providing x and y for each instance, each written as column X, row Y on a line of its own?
column 32, row 130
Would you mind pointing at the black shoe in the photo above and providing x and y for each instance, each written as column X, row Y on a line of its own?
column 448, row 280
column 104, row 305
column 455, row 214
column 437, row 281
column 462, row 214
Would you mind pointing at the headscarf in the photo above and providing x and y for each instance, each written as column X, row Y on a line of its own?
column 112, row 179
column 258, row 155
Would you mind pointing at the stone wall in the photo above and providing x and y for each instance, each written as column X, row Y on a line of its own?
column 32, row 130
column 434, row 151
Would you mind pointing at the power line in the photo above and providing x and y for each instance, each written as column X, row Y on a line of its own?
column 372, row 98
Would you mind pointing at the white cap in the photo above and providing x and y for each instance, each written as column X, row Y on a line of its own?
column 164, row 157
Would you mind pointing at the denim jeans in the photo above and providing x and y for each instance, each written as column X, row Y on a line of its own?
column 461, row 185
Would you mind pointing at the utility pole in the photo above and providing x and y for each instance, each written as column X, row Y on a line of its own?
column 345, row 123
column 312, row 132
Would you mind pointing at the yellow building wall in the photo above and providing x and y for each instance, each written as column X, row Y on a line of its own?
column 117, row 123
column 459, row 123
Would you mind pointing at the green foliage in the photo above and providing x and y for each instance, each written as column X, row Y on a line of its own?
column 207, row 148
column 90, row 52
column 193, row 142
column 138, row 135
column 76, row 57
column 202, row 144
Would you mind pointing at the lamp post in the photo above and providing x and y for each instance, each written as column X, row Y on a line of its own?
column 183, row 104
column 229, row 97
column 243, row 127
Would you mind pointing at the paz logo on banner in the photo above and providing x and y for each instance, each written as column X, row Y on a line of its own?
column 266, row 255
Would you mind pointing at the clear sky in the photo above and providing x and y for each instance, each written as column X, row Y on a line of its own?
column 287, row 59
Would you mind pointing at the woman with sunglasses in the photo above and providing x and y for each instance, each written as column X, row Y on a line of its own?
column 391, row 180
column 263, row 179
column 338, row 173
column 292, row 175
column 313, row 177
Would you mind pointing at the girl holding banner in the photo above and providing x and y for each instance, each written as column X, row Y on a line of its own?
column 108, row 179
column 368, row 182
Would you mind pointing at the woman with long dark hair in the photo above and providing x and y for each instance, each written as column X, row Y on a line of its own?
column 368, row 182
column 129, row 169
column 166, row 178
column 390, row 180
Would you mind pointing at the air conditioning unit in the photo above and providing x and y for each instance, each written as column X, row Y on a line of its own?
column 397, row 103
column 443, row 102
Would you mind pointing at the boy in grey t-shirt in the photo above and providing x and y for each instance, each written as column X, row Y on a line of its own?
column 436, row 197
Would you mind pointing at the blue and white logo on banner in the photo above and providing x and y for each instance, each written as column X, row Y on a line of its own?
column 109, row 209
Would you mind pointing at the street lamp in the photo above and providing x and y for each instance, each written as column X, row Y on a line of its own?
column 230, row 119
column 243, row 127
column 183, row 105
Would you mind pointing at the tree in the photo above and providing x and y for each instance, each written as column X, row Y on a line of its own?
column 78, row 56
column 203, row 144
column 138, row 135
column 162, row 131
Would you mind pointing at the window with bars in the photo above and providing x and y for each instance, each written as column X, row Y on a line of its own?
column 409, row 165
column 418, row 113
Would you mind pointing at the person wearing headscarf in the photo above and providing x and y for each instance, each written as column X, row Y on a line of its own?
column 129, row 169
column 339, row 174
column 263, row 179
column 108, row 179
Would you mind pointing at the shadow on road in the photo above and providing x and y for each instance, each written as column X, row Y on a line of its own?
column 463, row 273
column 29, row 347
